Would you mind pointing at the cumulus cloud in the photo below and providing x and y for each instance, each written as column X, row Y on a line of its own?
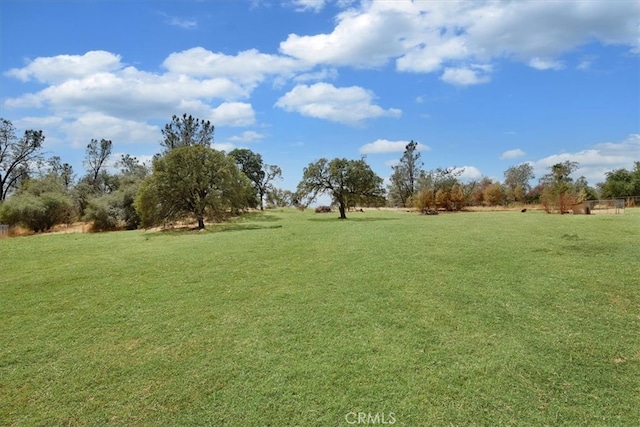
column 97, row 82
column 247, row 136
column 469, row 173
column 386, row 146
column 595, row 162
column 93, row 125
column 546, row 64
column 249, row 67
column 428, row 37
column 465, row 76
column 512, row 154
column 56, row 69
column 348, row 105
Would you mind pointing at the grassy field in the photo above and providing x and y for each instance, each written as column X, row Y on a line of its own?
column 289, row 318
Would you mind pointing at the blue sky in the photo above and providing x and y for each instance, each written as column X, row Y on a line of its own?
column 481, row 85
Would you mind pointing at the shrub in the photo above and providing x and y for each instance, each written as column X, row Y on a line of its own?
column 37, row 213
column 323, row 209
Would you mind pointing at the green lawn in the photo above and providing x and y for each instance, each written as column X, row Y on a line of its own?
column 291, row 318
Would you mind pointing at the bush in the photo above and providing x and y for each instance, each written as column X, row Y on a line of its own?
column 37, row 213
column 323, row 209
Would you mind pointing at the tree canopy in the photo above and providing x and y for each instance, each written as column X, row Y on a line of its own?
column 405, row 176
column 192, row 180
column 17, row 156
column 186, row 130
column 349, row 182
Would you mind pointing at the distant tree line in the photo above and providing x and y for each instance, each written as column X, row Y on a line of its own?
column 190, row 181
column 442, row 189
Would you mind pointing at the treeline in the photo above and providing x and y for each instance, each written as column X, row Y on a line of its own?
column 412, row 186
column 188, row 180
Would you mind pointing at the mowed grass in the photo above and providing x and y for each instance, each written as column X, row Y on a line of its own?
column 288, row 318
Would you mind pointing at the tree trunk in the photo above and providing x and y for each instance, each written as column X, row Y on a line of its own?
column 200, row 223
column 342, row 209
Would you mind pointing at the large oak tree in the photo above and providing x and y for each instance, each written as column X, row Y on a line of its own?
column 195, row 181
column 349, row 182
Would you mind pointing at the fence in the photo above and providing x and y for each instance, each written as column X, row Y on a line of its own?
column 608, row 206
column 4, row 230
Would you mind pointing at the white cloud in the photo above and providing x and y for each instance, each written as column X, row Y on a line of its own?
column 349, row 105
column 512, row 154
column 223, row 146
column 428, row 37
column 386, row 146
column 469, row 173
column 98, row 83
column 56, row 69
column 97, row 126
column 323, row 74
column 596, row 161
column 546, row 64
column 247, row 136
column 304, row 5
column 465, row 76
column 248, row 68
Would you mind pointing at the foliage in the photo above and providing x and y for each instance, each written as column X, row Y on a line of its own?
column 494, row 194
column 349, row 182
column 97, row 154
column 323, row 209
column 38, row 205
column 621, row 183
column 404, row 179
column 279, row 198
column 559, row 192
column 17, row 155
column 516, row 181
column 440, row 188
column 186, row 131
column 261, row 175
column 192, row 180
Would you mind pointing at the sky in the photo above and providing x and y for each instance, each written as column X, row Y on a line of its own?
column 481, row 85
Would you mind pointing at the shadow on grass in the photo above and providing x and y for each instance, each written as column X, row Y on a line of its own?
column 258, row 217
column 211, row 228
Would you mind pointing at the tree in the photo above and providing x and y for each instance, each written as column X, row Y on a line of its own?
column 405, row 176
column 96, row 155
column 516, row 181
column 261, row 175
column 559, row 192
column 622, row 183
column 192, row 180
column 186, row 131
column 435, row 188
column 347, row 181
column 39, row 204
column 62, row 172
column 16, row 156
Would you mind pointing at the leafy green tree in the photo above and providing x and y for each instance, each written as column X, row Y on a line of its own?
column 279, row 198
column 186, row 131
column 192, row 181
column 39, row 204
column 516, row 181
column 404, row 179
column 621, row 183
column 261, row 175
column 17, row 156
column 347, row 181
